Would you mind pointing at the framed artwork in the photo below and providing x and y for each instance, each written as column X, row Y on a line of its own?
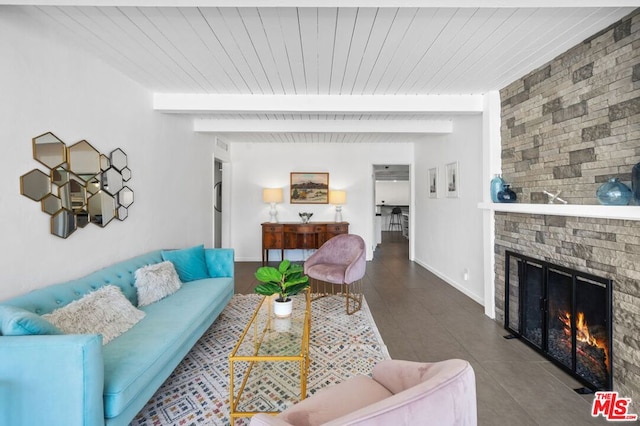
column 309, row 188
column 453, row 180
column 433, row 182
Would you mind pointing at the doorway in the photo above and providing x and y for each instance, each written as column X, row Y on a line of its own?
column 217, row 204
column 392, row 205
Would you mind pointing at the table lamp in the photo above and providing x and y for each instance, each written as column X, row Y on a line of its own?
column 272, row 196
column 338, row 198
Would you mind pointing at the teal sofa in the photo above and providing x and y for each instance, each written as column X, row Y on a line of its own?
column 69, row 380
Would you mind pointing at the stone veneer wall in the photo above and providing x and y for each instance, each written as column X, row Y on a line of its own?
column 570, row 125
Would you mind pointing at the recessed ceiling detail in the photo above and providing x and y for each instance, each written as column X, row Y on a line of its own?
column 81, row 185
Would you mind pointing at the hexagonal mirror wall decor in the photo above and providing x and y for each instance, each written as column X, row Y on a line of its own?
column 80, row 186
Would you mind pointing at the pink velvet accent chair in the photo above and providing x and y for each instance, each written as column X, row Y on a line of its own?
column 399, row 393
column 340, row 262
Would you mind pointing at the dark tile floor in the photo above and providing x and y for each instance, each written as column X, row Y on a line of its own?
column 422, row 318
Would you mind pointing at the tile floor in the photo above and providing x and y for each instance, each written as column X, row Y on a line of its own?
column 422, row 318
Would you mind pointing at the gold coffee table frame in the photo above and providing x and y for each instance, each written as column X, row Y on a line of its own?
column 263, row 341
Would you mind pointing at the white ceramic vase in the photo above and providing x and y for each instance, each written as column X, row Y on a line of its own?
column 282, row 309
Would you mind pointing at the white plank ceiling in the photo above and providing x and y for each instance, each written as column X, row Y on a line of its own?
column 310, row 51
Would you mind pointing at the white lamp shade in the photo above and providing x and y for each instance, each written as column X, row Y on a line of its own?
column 338, row 197
column 272, row 195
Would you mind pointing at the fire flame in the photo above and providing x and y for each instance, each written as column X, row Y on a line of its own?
column 583, row 334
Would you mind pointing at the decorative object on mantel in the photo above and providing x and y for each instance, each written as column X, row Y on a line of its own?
column 287, row 280
column 635, row 183
column 81, row 186
column 272, row 196
column 338, row 198
column 554, row 197
column 305, row 216
column 614, row 193
column 497, row 184
column 506, row 195
column 309, row 188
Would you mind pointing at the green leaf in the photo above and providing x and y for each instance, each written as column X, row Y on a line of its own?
column 299, row 280
column 284, row 265
column 268, row 274
column 296, row 288
column 267, row 289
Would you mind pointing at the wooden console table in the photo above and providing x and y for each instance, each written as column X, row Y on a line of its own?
column 295, row 235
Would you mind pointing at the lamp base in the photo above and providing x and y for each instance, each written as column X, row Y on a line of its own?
column 338, row 214
column 274, row 213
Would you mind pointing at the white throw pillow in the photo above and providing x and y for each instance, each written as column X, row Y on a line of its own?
column 105, row 311
column 156, row 281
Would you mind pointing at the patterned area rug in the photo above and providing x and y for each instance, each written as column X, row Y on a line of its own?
column 197, row 391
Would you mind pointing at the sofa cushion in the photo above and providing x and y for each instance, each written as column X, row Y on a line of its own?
column 140, row 360
column 20, row 322
column 155, row 282
column 190, row 263
column 105, row 311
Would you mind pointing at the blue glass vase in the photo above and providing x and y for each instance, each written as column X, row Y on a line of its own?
column 497, row 184
column 614, row 193
column 507, row 195
column 635, row 183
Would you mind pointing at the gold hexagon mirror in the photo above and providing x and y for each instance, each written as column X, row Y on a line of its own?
column 102, row 208
column 105, row 163
column 125, row 197
column 126, row 174
column 51, row 204
column 112, row 181
column 73, row 194
column 49, row 150
column 123, row 213
column 63, row 223
column 35, row 185
column 118, row 159
column 84, row 160
column 80, row 186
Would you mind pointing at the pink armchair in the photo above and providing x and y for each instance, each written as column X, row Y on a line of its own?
column 400, row 393
column 341, row 261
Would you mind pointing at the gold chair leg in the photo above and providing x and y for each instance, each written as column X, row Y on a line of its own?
column 353, row 299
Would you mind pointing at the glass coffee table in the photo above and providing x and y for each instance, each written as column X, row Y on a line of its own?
column 267, row 339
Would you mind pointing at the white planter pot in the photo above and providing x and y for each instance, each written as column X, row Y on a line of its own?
column 282, row 309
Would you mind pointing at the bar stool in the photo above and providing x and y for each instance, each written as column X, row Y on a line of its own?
column 396, row 219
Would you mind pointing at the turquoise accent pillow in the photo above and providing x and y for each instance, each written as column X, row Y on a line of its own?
column 20, row 322
column 190, row 263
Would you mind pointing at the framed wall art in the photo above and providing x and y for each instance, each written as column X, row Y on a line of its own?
column 309, row 188
column 433, row 182
column 453, row 179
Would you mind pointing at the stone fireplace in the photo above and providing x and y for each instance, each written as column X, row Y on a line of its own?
column 569, row 126
column 564, row 314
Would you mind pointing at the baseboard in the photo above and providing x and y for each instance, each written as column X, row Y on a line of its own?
column 452, row 283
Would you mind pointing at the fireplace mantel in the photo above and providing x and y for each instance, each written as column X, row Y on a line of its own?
column 576, row 210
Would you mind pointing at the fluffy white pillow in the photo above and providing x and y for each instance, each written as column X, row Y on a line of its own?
column 156, row 281
column 105, row 311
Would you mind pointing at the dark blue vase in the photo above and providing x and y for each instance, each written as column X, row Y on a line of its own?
column 614, row 193
column 497, row 183
column 635, row 183
column 507, row 195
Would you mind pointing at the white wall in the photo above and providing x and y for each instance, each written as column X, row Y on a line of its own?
column 48, row 85
column 449, row 231
column 393, row 193
column 350, row 166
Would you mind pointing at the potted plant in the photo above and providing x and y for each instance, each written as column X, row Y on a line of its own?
column 286, row 280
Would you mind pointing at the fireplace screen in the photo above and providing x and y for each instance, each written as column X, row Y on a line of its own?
column 563, row 314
